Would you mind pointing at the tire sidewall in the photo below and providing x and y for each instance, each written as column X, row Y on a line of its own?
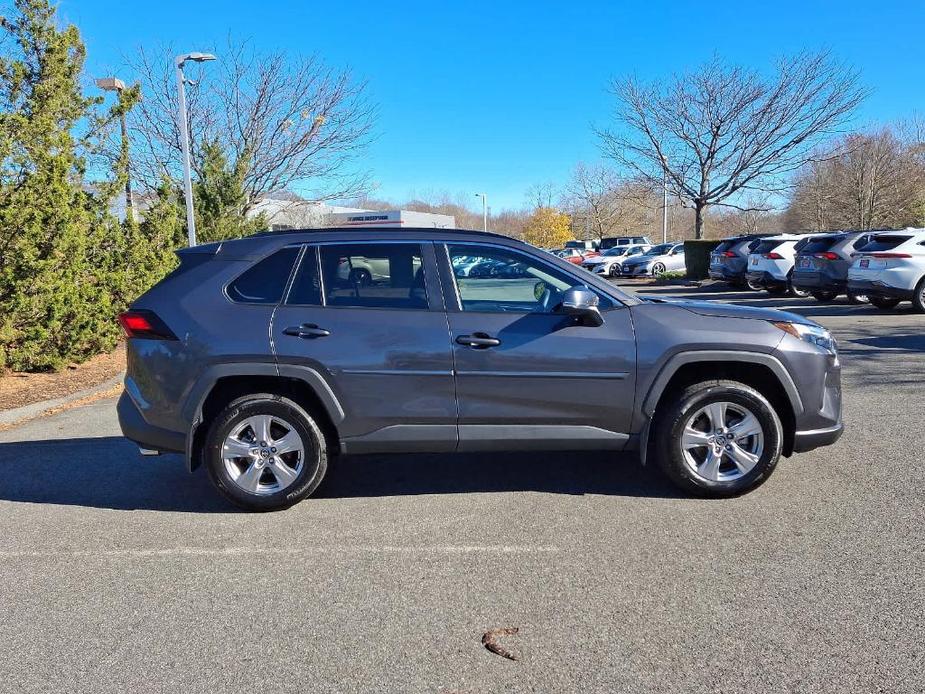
column 314, row 466
column 672, row 425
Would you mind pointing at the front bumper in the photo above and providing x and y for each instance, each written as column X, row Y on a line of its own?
column 879, row 289
column 135, row 428
column 815, row 438
column 635, row 271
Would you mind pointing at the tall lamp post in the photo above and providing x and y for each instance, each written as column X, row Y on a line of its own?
column 484, row 210
column 180, row 61
column 664, row 200
column 113, row 84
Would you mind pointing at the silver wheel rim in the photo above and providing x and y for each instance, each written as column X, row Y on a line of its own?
column 722, row 442
column 263, row 455
column 658, row 269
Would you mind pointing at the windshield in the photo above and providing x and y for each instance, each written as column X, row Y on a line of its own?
column 619, row 250
column 661, row 249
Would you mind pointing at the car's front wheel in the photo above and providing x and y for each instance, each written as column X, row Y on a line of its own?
column 718, row 438
column 658, row 269
column 857, row 298
column 615, row 270
column 918, row 297
column 264, row 452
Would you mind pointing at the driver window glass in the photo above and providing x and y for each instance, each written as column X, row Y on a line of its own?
column 498, row 280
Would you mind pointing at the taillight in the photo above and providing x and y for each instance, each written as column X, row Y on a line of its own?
column 773, row 256
column 729, row 254
column 890, row 255
column 828, row 255
column 145, row 324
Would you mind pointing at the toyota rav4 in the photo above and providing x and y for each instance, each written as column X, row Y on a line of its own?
column 264, row 358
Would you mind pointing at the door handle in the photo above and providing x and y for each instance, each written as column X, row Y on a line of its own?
column 306, row 330
column 478, row 341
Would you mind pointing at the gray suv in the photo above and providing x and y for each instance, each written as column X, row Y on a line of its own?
column 263, row 358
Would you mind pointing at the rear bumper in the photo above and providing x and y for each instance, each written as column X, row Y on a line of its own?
column 135, row 428
column 724, row 275
column 879, row 289
column 808, row 440
column 766, row 280
column 814, row 281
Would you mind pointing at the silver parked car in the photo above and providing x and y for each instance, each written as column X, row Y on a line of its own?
column 659, row 259
column 610, row 262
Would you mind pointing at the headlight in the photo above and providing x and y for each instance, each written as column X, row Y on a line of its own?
column 813, row 334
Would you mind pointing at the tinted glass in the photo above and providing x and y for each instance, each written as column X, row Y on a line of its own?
column 306, row 288
column 661, row 249
column 766, row 246
column 498, row 280
column 264, row 282
column 820, row 245
column 724, row 246
column 885, row 243
column 374, row 275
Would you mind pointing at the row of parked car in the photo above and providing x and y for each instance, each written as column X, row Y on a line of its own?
column 628, row 256
column 882, row 267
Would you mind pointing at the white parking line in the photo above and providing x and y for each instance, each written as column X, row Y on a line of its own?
column 278, row 551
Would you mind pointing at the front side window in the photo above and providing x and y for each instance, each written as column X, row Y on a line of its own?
column 265, row 282
column 374, row 275
column 499, row 280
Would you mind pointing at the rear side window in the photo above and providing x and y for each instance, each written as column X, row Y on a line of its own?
column 265, row 282
column 820, row 245
column 885, row 243
column 374, row 275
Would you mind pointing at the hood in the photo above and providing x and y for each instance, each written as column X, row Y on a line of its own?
column 714, row 308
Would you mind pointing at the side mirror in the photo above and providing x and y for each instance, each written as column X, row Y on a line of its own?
column 582, row 303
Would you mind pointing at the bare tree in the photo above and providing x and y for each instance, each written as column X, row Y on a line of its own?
column 287, row 123
column 606, row 204
column 722, row 131
column 870, row 181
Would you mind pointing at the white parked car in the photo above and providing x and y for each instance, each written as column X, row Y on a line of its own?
column 610, row 262
column 770, row 264
column 890, row 269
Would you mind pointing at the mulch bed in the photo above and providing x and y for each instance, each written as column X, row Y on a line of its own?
column 18, row 389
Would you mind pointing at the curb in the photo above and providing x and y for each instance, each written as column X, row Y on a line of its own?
column 16, row 415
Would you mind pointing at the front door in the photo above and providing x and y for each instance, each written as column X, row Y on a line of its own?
column 526, row 374
column 369, row 319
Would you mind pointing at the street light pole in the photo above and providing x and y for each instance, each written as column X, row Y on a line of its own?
column 484, row 210
column 179, row 61
column 664, row 200
column 113, row 84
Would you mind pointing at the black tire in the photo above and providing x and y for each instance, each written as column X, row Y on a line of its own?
column 361, row 276
column 673, row 418
column 883, row 303
column 796, row 291
column 918, row 297
column 614, row 270
column 777, row 291
column 754, row 286
column 314, row 463
column 857, row 298
column 658, row 269
column 825, row 297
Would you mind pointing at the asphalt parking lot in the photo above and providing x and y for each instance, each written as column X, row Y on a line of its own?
column 121, row 573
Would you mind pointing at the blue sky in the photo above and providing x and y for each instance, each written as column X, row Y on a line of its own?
column 497, row 96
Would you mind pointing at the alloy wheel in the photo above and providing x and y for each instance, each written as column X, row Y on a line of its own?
column 722, row 442
column 263, row 454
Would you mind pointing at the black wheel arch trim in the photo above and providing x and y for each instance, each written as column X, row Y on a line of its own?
column 675, row 362
column 192, row 409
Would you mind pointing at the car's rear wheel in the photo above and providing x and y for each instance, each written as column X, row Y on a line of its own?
column 796, row 291
column 718, row 438
column 918, row 297
column 857, row 298
column 825, row 296
column 883, row 303
column 264, row 452
column 754, row 286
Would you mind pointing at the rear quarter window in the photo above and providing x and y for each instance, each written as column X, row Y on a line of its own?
column 265, row 282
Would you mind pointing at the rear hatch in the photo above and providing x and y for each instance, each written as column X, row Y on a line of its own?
column 815, row 255
column 881, row 254
column 722, row 253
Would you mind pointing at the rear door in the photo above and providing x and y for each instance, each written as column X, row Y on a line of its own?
column 369, row 319
column 527, row 376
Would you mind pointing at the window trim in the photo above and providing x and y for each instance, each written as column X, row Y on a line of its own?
column 295, row 264
column 451, row 276
column 434, row 297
